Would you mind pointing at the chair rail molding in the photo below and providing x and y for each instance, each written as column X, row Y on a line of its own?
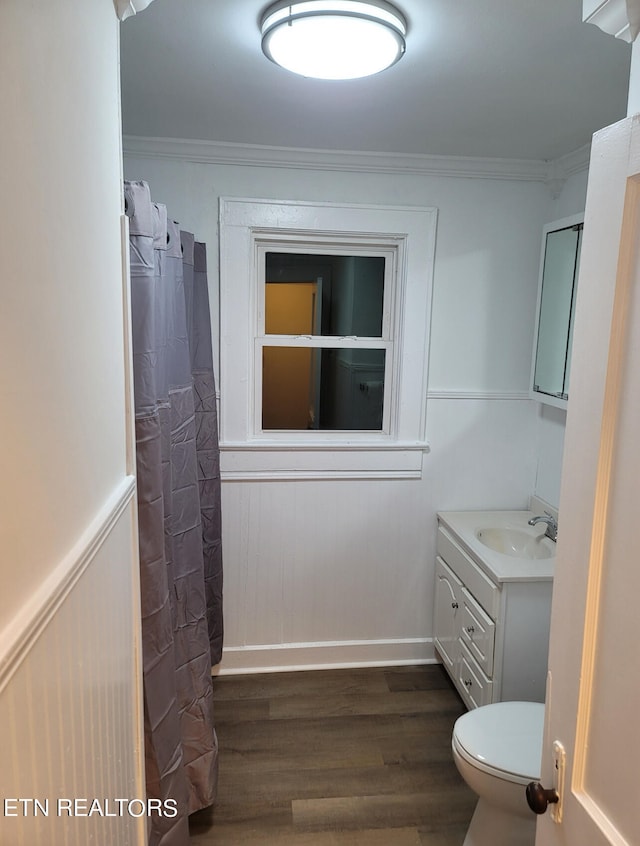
column 22, row 632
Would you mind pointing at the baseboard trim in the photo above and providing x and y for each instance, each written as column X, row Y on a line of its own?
column 23, row 631
column 284, row 657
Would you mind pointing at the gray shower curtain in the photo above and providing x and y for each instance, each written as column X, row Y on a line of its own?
column 178, row 509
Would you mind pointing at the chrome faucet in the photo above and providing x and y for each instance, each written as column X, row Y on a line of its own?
column 552, row 525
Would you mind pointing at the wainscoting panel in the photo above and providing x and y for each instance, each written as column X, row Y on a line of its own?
column 324, row 561
column 329, row 572
column 70, row 697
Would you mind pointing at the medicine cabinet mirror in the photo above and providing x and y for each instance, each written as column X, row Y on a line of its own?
column 559, row 266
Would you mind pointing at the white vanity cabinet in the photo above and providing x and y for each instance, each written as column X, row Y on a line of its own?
column 491, row 629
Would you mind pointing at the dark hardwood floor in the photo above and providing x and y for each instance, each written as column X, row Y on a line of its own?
column 337, row 758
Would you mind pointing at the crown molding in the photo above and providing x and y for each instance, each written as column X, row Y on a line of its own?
column 127, row 8
column 553, row 173
column 620, row 18
column 560, row 169
column 254, row 155
column 574, row 162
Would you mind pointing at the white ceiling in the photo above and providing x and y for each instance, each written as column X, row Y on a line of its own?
column 521, row 79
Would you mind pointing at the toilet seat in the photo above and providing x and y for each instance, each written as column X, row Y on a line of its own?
column 503, row 739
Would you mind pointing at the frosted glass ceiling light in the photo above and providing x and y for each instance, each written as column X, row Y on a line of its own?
column 344, row 39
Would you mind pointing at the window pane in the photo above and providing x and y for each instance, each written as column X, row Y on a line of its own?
column 314, row 388
column 324, row 295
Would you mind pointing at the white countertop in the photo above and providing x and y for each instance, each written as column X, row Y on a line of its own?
column 464, row 525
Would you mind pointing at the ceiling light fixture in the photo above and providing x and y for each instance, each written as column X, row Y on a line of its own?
column 344, row 39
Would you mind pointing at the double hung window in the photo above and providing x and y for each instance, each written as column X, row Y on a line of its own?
column 325, row 316
column 325, row 340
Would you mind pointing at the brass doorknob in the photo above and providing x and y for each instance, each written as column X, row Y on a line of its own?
column 538, row 798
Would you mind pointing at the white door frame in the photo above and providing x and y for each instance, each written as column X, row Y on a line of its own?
column 595, row 800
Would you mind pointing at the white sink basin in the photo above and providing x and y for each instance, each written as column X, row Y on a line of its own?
column 518, row 543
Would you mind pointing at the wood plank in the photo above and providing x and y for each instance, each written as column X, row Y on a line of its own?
column 280, row 785
column 429, row 809
column 337, row 758
column 231, row 836
column 352, row 704
column 310, row 683
column 240, row 710
column 427, row 677
column 450, row 836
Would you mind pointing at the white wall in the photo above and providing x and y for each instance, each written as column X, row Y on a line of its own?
column 321, row 572
column 551, row 427
column 63, row 329
column 486, row 252
column 633, row 103
column 551, row 421
column 69, row 606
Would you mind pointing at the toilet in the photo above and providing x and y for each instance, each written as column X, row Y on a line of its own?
column 498, row 750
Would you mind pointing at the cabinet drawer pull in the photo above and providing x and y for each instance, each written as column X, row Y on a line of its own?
column 470, row 630
column 454, row 604
column 468, row 683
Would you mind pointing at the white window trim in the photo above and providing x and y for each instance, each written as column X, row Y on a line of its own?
column 390, row 340
column 246, row 226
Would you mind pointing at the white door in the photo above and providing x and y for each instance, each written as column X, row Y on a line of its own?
column 593, row 693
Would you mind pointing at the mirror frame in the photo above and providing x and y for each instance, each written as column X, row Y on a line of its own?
column 553, row 226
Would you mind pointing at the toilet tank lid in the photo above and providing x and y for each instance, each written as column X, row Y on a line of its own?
column 505, row 736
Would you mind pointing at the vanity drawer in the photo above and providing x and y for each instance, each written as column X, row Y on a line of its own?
column 485, row 591
column 477, row 632
column 475, row 687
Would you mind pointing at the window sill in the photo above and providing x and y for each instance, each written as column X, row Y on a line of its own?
column 294, row 460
